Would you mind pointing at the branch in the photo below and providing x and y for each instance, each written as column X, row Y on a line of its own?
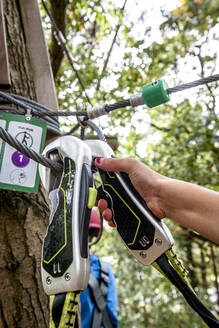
column 160, row 128
column 58, row 12
column 110, row 50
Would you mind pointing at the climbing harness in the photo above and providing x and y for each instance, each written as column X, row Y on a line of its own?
column 99, row 288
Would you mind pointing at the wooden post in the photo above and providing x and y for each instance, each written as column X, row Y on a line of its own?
column 36, row 44
column 4, row 65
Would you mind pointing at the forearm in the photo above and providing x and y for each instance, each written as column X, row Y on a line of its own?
column 192, row 206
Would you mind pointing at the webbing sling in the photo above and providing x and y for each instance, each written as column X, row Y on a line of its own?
column 99, row 288
column 165, row 264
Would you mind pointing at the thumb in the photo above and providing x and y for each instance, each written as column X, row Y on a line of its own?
column 116, row 164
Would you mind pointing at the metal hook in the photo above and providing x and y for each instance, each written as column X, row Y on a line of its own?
column 28, row 114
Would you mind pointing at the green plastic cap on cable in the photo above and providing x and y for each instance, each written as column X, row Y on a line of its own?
column 155, row 93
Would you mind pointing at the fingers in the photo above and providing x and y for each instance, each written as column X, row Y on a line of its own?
column 127, row 165
column 116, row 164
column 107, row 215
column 111, row 224
column 102, row 204
column 106, row 212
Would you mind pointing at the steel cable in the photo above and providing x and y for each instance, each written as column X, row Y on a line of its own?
column 33, row 107
column 117, row 105
column 51, row 114
column 53, row 125
column 193, row 84
column 42, row 111
column 29, row 152
column 12, row 110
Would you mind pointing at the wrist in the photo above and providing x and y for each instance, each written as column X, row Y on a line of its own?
column 154, row 194
column 161, row 184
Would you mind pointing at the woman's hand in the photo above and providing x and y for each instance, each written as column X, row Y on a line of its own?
column 193, row 206
column 145, row 181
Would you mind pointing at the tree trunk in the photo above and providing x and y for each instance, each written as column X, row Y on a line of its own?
column 58, row 12
column 23, row 216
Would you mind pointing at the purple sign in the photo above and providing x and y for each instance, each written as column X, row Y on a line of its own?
column 19, row 159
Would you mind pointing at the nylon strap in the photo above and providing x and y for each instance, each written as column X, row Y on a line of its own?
column 104, row 288
column 99, row 293
column 63, row 310
column 168, row 265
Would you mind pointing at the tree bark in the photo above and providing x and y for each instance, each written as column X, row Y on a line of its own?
column 23, row 216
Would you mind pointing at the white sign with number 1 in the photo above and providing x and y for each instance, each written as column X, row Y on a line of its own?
column 19, row 172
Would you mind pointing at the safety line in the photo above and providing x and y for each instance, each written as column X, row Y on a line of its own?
column 42, row 111
column 193, row 84
column 102, row 109
column 7, row 137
